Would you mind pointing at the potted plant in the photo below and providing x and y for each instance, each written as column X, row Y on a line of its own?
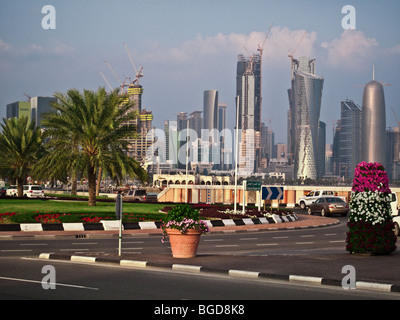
column 370, row 220
column 184, row 228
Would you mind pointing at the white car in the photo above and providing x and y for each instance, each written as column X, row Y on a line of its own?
column 396, row 220
column 12, row 191
column 310, row 197
column 33, row 191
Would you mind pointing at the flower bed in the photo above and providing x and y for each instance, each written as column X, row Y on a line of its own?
column 370, row 221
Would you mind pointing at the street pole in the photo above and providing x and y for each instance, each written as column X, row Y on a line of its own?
column 244, row 196
column 118, row 213
column 236, row 151
column 187, row 158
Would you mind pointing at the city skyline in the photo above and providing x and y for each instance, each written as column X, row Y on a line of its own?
column 188, row 47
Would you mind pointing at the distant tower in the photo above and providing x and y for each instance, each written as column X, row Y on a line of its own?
column 373, row 137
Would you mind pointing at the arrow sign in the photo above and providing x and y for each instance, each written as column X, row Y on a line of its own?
column 272, row 193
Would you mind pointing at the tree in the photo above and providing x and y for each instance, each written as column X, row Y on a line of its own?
column 89, row 132
column 21, row 147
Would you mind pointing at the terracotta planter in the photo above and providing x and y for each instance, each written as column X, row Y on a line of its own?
column 184, row 245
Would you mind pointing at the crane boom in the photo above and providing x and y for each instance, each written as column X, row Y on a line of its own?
column 112, row 70
column 130, row 58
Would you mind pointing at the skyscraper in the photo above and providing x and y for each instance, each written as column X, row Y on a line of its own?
column 373, row 146
column 350, row 138
column 305, row 104
column 248, row 89
column 210, row 109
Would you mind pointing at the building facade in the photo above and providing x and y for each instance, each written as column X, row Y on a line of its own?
column 305, row 97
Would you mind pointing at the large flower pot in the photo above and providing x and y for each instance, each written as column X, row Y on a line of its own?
column 184, row 245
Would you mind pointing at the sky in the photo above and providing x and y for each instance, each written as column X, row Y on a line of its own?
column 189, row 46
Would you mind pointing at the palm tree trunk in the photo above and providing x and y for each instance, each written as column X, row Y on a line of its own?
column 92, row 185
column 20, row 186
column 99, row 174
column 74, row 183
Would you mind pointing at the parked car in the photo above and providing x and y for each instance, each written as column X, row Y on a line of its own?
column 12, row 191
column 329, row 205
column 396, row 220
column 3, row 192
column 136, row 195
column 310, row 197
column 33, row 191
column 395, row 205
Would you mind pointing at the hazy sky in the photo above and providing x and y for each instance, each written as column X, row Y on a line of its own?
column 187, row 47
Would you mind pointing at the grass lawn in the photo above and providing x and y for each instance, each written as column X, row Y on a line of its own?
column 27, row 210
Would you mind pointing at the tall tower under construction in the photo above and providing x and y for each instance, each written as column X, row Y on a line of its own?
column 373, row 137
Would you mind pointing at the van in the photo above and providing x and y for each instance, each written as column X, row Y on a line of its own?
column 33, row 191
column 395, row 205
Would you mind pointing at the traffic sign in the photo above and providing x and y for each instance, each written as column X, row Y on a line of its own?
column 272, row 193
column 253, row 185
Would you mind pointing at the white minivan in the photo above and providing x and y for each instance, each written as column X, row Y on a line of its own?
column 33, row 191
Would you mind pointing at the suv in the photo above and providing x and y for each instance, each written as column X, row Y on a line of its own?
column 137, row 195
column 312, row 196
column 33, row 191
column 12, row 191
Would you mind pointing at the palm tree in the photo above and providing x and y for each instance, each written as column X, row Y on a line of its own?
column 88, row 132
column 21, row 147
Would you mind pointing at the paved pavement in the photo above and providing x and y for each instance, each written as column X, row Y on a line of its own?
column 371, row 272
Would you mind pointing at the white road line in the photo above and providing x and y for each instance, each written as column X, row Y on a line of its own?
column 80, row 249
column 227, row 245
column 305, row 242
column 33, row 244
column 15, row 250
column 280, row 237
column 211, row 240
column 57, row 284
column 245, row 239
column 266, row 244
column 132, row 242
column 331, row 234
column 307, row 236
column 84, row 243
column 333, row 241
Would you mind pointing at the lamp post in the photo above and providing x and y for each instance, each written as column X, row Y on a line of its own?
column 236, row 151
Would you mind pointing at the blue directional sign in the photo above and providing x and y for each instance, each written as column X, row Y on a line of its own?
column 272, row 193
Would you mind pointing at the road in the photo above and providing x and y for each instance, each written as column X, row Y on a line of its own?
column 21, row 276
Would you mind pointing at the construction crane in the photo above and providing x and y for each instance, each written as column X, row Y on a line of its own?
column 122, row 84
column 261, row 48
column 139, row 73
column 397, row 120
column 291, row 55
column 28, row 96
column 106, row 81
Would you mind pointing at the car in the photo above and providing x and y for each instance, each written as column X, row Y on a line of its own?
column 310, row 197
column 329, row 205
column 12, row 191
column 33, row 191
column 136, row 195
column 396, row 220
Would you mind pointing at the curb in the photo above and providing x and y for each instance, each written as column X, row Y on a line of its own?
column 363, row 285
column 147, row 225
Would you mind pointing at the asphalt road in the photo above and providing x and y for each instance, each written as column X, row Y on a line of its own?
column 21, row 276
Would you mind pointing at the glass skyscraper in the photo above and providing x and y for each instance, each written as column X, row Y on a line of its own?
column 305, row 104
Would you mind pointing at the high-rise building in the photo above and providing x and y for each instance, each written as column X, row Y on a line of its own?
column 350, row 138
column 373, row 137
column 19, row 109
column 393, row 153
column 40, row 105
column 305, row 97
column 248, row 91
column 210, row 109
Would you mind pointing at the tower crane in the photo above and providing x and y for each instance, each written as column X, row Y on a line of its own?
column 291, row 55
column 106, row 81
column 116, row 77
column 261, row 48
column 397, row 120
column 139, row 73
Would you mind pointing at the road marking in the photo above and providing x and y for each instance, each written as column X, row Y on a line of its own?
column 210, row 240
column 333, row 241
column 227, row 245
column 15, row 250
column 57, row 284
column 74, row 249
column 84, row 243
column 331, row 234
column 304, row 242
column 280, row 237
column 307, row 236
column 244, row 239
column 133, row 248
column 33, row 244
column 134, row 242
column 266, row 244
